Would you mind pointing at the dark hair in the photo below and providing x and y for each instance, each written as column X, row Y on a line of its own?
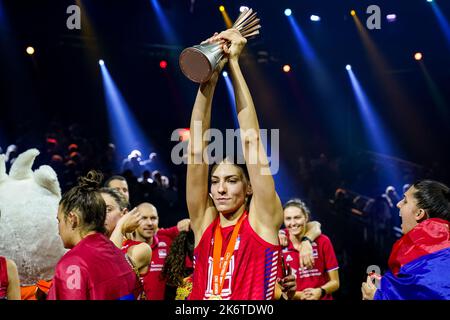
column 174, row 270
column 300, row 205
column 106, row 184
column 434, row 198
column 86, row 199
column 229, row 160
column 244, row 169
column 117, row 196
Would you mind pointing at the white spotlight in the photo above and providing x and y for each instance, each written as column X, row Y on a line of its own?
column 101, row 62
column 391, row 17
column 348, row 67
column 314, row 18
column 225, row 74
column 243, row 8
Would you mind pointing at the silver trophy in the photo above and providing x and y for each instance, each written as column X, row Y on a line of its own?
column 199, row 62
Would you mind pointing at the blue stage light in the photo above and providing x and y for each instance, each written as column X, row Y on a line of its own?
column 166, row 27
column 125, row 131
column 379, row 139
column 443, row 22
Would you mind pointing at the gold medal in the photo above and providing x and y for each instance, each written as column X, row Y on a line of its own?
column 215, row 297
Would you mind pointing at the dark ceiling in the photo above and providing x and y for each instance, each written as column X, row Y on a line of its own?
column 62, row 81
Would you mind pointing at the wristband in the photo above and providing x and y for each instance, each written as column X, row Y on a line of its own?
column 323, row 293
column 305, row 238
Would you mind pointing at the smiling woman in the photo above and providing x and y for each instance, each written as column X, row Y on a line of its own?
column 420, row 258
column 319, row 282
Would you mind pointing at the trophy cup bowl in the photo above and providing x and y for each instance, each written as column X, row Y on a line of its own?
column 199, row 62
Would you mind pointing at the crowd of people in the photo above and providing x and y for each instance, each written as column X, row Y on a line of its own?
column 232, row 244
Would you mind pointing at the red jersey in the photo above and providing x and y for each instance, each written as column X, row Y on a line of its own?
column 154, row 284
column 168, row 234
column 127, row 244
column 95, row 269
column 324, row 261
column 252, row 270
column 4, row 282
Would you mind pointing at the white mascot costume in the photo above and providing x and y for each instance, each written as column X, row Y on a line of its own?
column 28, row 226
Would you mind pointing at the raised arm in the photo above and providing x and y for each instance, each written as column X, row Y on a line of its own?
column 201, row 210
column 126, row 224
column 265, row 203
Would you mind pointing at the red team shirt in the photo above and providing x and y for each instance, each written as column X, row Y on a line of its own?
column 324, row 261
column 252, row 271
column 95, row 269
column 154, row 285
column 3, row 278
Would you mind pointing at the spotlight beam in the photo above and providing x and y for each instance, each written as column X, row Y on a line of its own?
column 368, row 116
column 226, row 18
column 302, row 41
column 375, row 130
column 393, row 89
column 324, row 85
column 232, row 99
column 124, row 128
column 167, row 29
column 443, row 22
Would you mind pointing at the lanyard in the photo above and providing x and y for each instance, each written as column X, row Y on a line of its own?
column 220, row 269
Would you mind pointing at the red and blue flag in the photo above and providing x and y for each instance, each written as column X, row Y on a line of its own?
column 419, row 264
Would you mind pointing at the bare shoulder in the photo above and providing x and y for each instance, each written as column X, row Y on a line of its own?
column 141, row 249
column 141, row 254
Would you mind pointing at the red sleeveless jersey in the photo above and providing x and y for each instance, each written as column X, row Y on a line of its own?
column 3, row 278
column 252, row 271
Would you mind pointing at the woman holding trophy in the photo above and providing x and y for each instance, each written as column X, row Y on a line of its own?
column 237, row 255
